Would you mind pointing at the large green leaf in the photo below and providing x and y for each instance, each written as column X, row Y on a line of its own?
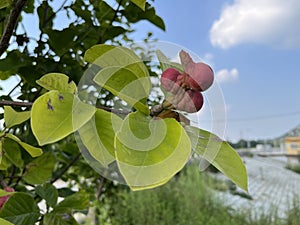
column 98, row 136
column 125, row 84
column 123, row 74
column 150, row 152
column 140, row 3
column 57, row 81
column 12, row 118
column 55, row 115
column 20, row 209
column 78, row 201
column 48, row 192
column 4, row 222
column 220, row 154
column 13, row 152
column 40, row 169
column 33, row 151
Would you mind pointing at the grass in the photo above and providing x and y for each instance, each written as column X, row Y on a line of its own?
column 293, row 167
column 188, row 200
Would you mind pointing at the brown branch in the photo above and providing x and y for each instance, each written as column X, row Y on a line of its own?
column 11, row 24
column 14, row 103
column 29, row 104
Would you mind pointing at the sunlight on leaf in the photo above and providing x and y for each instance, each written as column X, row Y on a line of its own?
column 12, row 117
column 57, row 81
column 33, row 151
column 55, row 115
column 98, row 136
column 220, row 154
column 150, row 152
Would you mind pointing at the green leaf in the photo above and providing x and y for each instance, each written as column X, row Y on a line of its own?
column 62, row 40
column 123, row 74
column 165, row 63
column 45, row 21
column 40, row 169
column 55, row 115
column 12, row 118
column 57, row 81
column 4, row 222
column 20, row 209
column 1, row 150
column 220, row 154
column 111, row 56
column 54, row 218
column 33, row 151
column 49, row 193
column 5, row 163
column 5, row 193
column 98, row 136
column 13, row 152
column 125, row 84
column 150, row 152
column 4, row 4
column 78, row 201
column 135, row 14
column 140, row 3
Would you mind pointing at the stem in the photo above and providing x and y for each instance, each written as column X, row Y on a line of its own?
column 11, row 24
column 12, row 90
column 66, row 168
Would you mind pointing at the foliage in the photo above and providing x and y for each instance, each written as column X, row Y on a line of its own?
column 185, row 200
column 59, row 72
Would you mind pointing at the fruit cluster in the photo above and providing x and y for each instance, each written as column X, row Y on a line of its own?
column 186, row 87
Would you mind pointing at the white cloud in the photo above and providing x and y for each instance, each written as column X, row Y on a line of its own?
column 226, row 75
column 269, row 22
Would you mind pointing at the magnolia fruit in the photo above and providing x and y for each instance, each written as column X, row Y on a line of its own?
column 169, row 78
column 5, row 198
column 191, row 102
column 199, row 76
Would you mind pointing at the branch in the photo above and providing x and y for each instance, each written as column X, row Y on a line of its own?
column 29, row 104
column 11, row 24
column 66, row 168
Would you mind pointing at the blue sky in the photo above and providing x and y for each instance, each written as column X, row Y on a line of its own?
column 254, row 49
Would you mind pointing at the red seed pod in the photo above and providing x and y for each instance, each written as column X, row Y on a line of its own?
column 200, row 76
column 169, row 78
column 191, row 102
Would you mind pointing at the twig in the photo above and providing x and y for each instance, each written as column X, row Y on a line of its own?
column 29, row 104
column 66, row 168
column 11, row 24
column 14, row 103
column 12, row 90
